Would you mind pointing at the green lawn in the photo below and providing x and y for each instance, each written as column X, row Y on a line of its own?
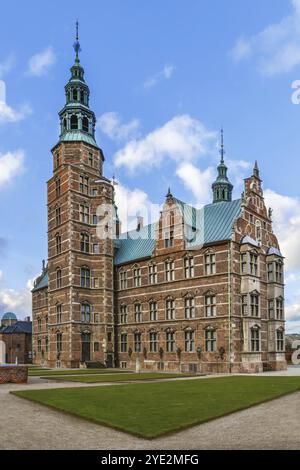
column 46, row 372
column 116, row 377
column 156, row 408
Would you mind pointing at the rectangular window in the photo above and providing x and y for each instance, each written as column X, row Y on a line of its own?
column 153, row 273
column 170, row 270
column 279, row 309
column 59, row 343
column 244, row 305
column 189, row 341
column 123, row 314
column 95, row 220
column 96, row 318
column 84, row 242
column 57, row 187
column 210, row 264
column 85, row 277
column 271, row 308
column 153, row 342
column 39, row 325
column 137, row 313
column 91, row 159
column 39, row 346
column 278, row 272
column 137, row 342
column 58, row 279
column 58, row 314
column 153, row 311
column 169, row 240
column 58, row 216
column 84, row 214
column 189, row 267
column 137, row 277
column 244, row 263
column 84, row 185
column 210, row 341
column 210, row 305
column 58, row 244
column 170, row 309
column 253, row 264
column 189, row 308
column 47, row 345
column 271, row 272
column 254, row 305
column 85, row 309
column 123, row 342
column 123, row 280
column 280, row 340
column 255, row 340
column 96, row 248
column 170, row 341
column 96, row 346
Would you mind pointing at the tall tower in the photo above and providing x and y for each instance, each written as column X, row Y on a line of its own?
column 222, row 188
column 80, row 265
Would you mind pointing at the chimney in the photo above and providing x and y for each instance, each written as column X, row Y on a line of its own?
column 140, row 223
column 27, row 319
column 44, row 266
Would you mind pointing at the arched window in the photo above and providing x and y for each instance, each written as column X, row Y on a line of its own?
column 85, row 310
column 65, row 124
column 85, row 277
column 82, row 96
column 58, row 278
column 85, row 124
column 75, row 94
column 74, row 122
column 84, row 242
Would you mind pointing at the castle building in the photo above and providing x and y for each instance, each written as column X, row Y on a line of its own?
column 199, row 290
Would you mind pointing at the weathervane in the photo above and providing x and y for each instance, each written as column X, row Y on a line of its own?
column 76, row 45
column 222, row 151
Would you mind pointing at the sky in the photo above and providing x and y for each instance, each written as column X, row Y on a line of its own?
column 164, row 76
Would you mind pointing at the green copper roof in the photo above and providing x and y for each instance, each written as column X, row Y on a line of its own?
column 78, row 136
column 215, row 222
column 42, row 282
column 212, row 223
column 9, row 316
column 135, row 244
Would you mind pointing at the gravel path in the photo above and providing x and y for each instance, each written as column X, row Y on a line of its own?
column 26, row 425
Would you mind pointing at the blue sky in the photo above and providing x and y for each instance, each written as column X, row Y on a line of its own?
column 158, row 71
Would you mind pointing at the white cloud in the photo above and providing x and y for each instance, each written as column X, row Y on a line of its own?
column 277, row 47
column 164, row 74
column 9, row 114
column 15, row 301
column 286, row 225
column 6, row 66
column 11, row 164
column 182, row 139
column 39, row 63
column 197, row 181
column 132, row 203
column 111, row 124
